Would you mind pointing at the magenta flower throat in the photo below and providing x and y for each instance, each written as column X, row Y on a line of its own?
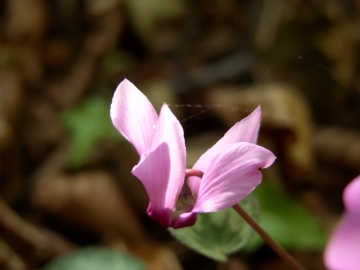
column 223, row 175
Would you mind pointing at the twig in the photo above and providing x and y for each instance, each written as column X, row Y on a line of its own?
column 267, row 238
column 29, row 240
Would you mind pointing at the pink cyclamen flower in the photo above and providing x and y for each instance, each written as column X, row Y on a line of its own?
column 343, row 250
column 230, row 170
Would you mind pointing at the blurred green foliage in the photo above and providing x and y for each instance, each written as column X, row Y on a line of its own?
column 88, row 124
column 95, row 258
column 287, row 221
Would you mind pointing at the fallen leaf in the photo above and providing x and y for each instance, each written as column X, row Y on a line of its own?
column 91, row 200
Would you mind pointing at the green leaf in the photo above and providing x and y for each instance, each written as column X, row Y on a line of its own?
column 287, row 221
column 95, row 258
column 88, row 124
column 216, row 235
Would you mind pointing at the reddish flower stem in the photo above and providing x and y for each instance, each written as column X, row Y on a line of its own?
column 267, row 238
column 193, row 172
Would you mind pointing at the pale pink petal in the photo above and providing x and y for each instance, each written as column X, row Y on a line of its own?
column 247, row 130
column 351, row 197
column 133, row 115
column 343, row 249
column 232, row 174
column 244, row 131
column 162, row 167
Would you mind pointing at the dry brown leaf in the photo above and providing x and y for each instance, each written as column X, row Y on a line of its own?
column 59, row 53
column 31, row 60
column 67, row 91
column 340, row 45
column 11, row 109
column 91, row 200
column 237, row 264
column 10, row 260
column 41, row 127
column 27, row 20
column 338, row 147
column 269, row 23
column 96, row 8
column 33, row 243
column 11, row 105
column 104, row 35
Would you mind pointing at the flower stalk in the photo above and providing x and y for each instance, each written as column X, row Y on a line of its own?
column 267, row 238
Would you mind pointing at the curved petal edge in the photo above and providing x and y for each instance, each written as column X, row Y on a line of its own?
column 133, row 115
column 231, row 176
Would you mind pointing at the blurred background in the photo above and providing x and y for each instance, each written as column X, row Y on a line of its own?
column 65, row 180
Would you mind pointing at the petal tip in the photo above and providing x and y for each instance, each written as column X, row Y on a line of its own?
column 133, row 115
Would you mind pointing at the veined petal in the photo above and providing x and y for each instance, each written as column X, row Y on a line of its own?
column 247, row 130
column 162, row 167
column 153, row 171
column 231, row 175
column 133, row 115
column 244, row 131
column 342, row 251
column 351, row 197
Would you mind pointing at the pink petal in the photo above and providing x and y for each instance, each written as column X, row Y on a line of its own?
column 351, row 197
column 162, row 167
column 343, row 249
column 184, row 220
column 133, row 115
column 244, row 131
column 232, row 174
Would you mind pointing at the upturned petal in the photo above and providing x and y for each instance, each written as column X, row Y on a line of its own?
column 343, row 249
column 133, row 115
column 351, row 197
column 244, row 131
column 162, row 167
column 231, row 175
